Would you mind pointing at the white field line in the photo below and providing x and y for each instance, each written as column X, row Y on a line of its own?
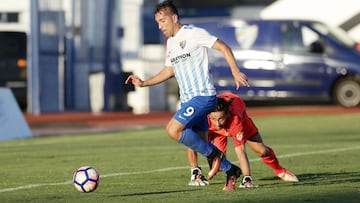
column 174, row 168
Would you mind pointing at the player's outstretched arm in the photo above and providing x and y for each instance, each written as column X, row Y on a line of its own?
column 239, row 77
column 165, row 74
column 135, row 80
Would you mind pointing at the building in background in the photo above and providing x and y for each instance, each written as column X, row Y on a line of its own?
column 95, row 44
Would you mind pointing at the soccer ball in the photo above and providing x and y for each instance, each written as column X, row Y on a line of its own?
column 86, row 179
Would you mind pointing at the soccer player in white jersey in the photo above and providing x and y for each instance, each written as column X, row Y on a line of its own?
column 187, row 61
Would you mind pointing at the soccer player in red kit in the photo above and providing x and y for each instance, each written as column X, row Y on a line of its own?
column 230, row 119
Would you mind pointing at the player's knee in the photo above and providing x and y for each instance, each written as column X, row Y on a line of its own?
column 173, row 132
column 262, row 152
column 170, row 131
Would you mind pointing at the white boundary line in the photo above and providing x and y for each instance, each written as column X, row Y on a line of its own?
column 172, row 169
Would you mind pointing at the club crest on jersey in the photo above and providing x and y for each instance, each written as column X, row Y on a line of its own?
column 239, row 136
column 182, row 44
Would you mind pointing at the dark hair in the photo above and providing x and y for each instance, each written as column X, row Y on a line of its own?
column 166, row 5
column 222, row 105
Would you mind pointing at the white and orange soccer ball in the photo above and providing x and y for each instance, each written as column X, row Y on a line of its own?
column 86, row 179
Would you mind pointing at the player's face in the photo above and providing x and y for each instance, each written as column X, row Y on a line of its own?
column 218, row 119
column 166, row 22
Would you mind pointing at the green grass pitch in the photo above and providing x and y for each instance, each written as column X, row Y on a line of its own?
column 147, row 166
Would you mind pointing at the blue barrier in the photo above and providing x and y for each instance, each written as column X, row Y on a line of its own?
column 12, row 122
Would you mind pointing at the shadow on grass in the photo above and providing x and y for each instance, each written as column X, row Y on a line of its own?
column 308, row 179
column 320, row 178
column 150, row 193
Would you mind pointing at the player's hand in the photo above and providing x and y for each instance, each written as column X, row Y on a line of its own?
column 135, row 80
column 241, row 79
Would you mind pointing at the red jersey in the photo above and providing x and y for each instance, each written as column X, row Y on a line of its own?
column 238, row 125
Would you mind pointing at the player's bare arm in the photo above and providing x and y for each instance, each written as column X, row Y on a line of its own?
column 165, row 74
column 243, row 159
column 239, row 77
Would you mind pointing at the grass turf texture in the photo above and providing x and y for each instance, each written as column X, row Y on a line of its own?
column 147, row 166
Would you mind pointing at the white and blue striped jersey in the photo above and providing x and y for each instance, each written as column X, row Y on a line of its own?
column 187, row 54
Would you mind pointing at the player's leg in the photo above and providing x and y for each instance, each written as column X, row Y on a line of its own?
column 218, row 141
column 191, row 114
column 196, row 176
column 231, row 175
column 265, row 153
column 192, row 155
column 218, row 153
column 190, row 138
column 192, row 158
column 269, row 158
column 234, row 172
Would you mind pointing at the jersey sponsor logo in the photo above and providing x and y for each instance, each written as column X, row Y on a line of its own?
column 179, row 58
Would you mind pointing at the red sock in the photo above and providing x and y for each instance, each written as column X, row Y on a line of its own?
column 273, row 162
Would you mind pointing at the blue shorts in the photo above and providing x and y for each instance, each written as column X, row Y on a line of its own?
column 193, row 114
